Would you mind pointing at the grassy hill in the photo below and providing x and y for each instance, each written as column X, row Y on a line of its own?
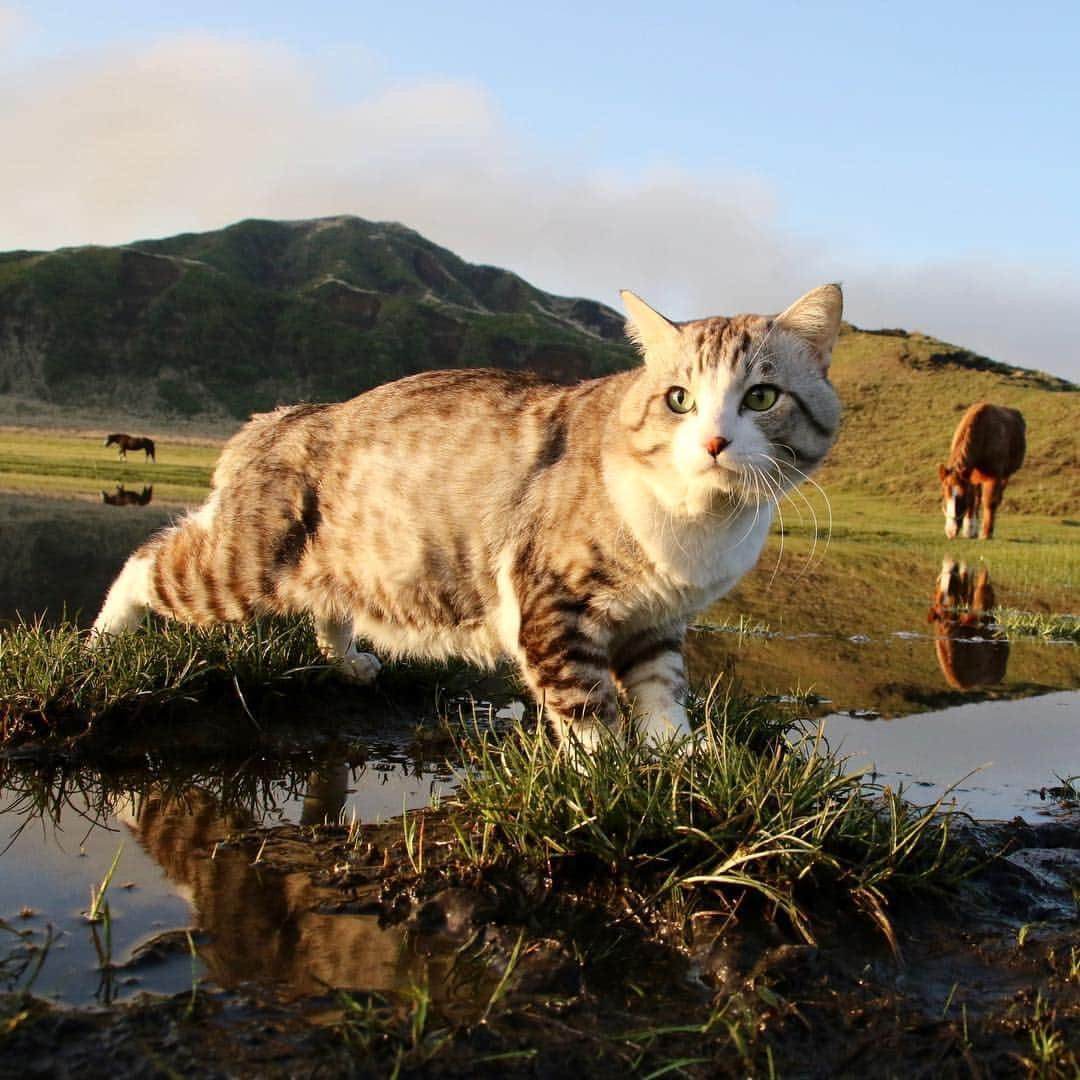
column 263, row 312
column 903, row 395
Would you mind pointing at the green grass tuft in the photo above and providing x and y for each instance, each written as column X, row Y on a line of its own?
column 51, row 678
column 1037, row 624
column 756, row 808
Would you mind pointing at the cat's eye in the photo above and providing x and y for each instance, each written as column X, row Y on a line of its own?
column 679, row 399
column 761, row 397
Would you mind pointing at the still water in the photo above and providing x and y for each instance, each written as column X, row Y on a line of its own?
column 909, row 674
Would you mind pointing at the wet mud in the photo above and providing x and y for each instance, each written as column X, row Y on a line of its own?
column 372, row 950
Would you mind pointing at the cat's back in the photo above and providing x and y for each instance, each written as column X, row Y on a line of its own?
column 480, row 437
column 450, row 422
column 461, row 395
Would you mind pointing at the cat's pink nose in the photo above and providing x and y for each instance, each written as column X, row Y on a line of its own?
column 717, row 444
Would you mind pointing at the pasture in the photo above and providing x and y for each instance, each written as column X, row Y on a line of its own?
column 79, row 465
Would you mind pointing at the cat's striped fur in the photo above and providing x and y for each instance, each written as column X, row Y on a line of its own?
column 484, row 514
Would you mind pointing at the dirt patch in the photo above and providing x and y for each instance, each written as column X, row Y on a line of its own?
column 502, row 974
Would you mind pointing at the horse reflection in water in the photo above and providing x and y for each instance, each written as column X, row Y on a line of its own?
column 264, row 925
column 123, row 497
column 971, row 651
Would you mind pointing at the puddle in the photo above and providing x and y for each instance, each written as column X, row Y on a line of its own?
column 177, row 870
column 1017, row 747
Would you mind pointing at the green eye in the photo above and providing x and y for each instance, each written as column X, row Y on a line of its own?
column 679, row 399
column 761, row 397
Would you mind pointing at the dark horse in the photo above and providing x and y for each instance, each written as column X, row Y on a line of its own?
column 132, row 442
column 971, row 651
column 123, row 497
column 987, row 448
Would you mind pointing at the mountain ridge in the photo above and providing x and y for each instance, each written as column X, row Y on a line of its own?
column 242, row 318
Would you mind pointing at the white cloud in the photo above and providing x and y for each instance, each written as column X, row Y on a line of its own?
column 197, row 132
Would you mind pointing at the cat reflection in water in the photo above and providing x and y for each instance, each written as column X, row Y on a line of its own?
column 483, row 514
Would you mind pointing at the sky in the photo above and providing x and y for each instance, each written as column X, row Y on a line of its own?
column 712, row 157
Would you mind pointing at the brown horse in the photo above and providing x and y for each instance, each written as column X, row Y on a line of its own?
column 123, row 497
column 971, row 651
column 132, row 442
column 987, row 448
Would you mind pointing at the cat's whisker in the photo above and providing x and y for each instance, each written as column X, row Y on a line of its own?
column 789, row 491
column 767, row 482
column 825, row 497
column 775, row 490
column 780, row 488
column 810, row 506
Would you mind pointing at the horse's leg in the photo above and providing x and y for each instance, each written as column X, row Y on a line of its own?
column 970, row 526
column 992, row 491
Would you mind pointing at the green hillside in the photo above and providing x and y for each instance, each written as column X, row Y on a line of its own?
column 903, row 395
column 194, row 332
column 265, row 312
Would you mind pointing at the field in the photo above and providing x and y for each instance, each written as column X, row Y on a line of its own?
column 79, row 465
column 903, row 395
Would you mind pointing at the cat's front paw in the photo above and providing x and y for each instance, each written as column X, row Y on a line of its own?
column 663, row 726
column 360, row 668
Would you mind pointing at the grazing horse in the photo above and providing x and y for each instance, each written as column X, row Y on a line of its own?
column 132, row 442
column 987, row 448
column 971, row 651
column 123, row 497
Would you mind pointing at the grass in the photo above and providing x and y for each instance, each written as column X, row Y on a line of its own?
column 757, row 809
column 51, row 679
column 1037, row 624
column 903, row 396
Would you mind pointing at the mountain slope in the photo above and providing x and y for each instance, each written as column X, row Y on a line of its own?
column 264, row 312
column 903, row 396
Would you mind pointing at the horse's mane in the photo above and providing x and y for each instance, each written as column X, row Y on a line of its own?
column 960, row 453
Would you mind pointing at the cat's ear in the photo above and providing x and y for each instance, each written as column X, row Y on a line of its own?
column 815, row 318
column 648, row 328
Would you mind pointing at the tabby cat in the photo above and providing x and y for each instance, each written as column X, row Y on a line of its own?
column 482, row 514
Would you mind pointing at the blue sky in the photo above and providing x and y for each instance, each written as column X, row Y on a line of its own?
column 711, row 157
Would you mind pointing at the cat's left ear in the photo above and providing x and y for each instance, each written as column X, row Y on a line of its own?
column 648, row 328
column 815, row 318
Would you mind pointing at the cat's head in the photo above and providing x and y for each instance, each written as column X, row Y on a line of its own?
column 739, row 406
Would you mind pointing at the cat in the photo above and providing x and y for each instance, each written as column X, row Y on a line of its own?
column 485, row 514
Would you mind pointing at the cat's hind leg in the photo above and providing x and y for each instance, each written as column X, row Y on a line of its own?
column 128, row 599
column 335, row 639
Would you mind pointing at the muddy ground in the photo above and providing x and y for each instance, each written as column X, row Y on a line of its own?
column 511, row 975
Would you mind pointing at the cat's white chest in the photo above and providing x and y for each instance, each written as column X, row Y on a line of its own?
column 710, row 557
column 702, row 557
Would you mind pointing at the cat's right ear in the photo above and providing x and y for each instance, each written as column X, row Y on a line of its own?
column 648, row 328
